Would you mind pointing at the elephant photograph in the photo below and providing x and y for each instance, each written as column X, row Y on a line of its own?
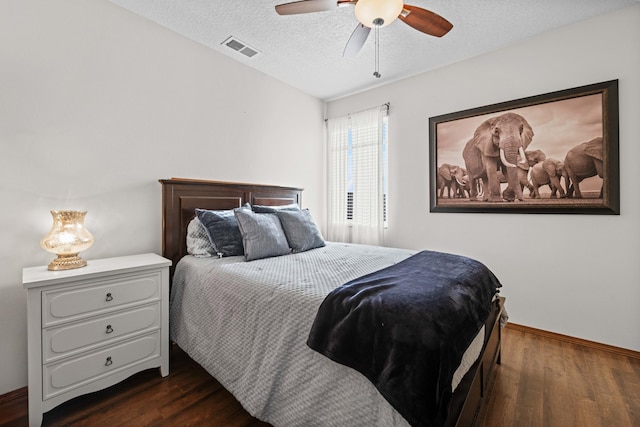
column 552, row 153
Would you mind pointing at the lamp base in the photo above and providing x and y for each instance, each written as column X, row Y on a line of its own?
column 67, row 262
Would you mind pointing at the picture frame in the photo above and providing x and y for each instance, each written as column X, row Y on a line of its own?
column 570, row 139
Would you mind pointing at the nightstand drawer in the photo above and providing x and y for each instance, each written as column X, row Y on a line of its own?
column 76, row 337
column 71, row 303
column 69, row 374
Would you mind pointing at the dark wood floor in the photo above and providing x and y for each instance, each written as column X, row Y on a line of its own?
column 542, row 382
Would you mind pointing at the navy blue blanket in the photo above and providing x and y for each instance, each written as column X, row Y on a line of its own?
column 406, row 328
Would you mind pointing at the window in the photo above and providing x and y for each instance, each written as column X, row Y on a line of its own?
column 385, row 171
column 358, row 157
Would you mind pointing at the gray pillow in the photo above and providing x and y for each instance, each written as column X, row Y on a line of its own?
column 198, row 242
column 275, row 209
column 302, row 233
column 262, row 235
column 223, row 230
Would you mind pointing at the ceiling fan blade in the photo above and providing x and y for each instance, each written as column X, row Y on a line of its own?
column 356, row 41
column 426, row 21
column 306, row 6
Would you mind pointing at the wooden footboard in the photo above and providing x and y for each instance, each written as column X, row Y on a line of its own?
column 472, row 391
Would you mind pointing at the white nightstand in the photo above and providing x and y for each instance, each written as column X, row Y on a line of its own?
column 92, row 327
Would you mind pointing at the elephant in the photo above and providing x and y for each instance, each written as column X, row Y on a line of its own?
column 548, row 172
column 465, row 189
column 477, row 187
column 468, row 183
column 498, row 144
column 451, row 177
column 583, row 161
column 533, row 157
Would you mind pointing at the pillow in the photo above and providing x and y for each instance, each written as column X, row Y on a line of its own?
column 300, row 230
column 262, row 235
column 223, row 231
column 198, row 242
column 274, row 209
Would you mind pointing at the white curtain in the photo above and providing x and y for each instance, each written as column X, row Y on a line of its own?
column 356, row 166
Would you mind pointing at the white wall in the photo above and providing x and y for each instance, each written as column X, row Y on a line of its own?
column 577, row 275
column 96, row 105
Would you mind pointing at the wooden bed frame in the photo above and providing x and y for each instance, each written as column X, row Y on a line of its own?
column 181, row 196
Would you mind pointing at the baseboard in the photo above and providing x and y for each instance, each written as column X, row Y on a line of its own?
column 20, row 393
column 579, row 341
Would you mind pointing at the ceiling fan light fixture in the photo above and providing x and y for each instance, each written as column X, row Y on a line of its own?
column 378, row 13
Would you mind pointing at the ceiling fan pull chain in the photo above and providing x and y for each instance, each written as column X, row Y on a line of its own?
column 376, row 73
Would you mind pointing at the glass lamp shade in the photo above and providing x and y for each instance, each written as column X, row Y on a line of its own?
column 372, row 13
column 66, row 239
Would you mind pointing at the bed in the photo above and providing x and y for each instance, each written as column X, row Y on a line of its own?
column 247, row 323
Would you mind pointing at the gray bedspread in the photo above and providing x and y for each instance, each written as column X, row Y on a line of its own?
column 247, row 324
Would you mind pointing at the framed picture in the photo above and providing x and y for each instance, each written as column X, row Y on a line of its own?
column 551, row 153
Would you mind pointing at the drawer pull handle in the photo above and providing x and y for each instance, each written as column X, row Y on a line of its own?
column 109, row 362
column 109, row 297
column 109, row 329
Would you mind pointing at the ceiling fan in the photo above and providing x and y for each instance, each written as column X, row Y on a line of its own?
column 373, row 14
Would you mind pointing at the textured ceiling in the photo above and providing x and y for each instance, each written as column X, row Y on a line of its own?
column 305, row 51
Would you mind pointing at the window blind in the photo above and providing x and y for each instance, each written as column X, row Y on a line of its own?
column 356, row 177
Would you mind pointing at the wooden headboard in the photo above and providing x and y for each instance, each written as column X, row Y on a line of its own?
column 181, row 196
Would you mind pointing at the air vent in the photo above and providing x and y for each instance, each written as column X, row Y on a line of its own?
column 238, row 46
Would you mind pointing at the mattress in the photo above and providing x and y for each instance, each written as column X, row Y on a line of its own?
column 247, row 324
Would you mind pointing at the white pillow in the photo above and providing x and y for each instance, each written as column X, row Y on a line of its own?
column 198, row 243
